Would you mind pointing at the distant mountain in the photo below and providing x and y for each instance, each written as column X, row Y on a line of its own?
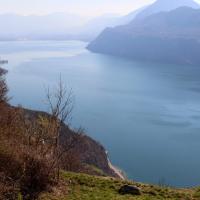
column 95, row 26
column 52, row 26
column 170, row 37
column 166, row 5
column 131, row 16
column 58, row 26
column 62, row 26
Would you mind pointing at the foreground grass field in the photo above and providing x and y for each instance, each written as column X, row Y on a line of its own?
column 85, row 187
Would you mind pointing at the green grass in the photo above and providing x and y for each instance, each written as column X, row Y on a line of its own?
column 85, row 187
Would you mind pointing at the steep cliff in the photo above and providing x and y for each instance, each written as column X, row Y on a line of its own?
column 91, row 154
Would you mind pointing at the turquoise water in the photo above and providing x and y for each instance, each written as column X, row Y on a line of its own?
column 146, row 115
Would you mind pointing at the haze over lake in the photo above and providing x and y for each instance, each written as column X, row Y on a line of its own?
column 147, row 115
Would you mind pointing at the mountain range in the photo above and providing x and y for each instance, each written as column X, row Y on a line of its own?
column 166, row 5
column 95, row 26
column 58, row 26
column 66, row 26
column 167, row 36
column 54, row 26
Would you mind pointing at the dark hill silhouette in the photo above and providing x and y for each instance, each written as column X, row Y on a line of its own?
column 170, row 37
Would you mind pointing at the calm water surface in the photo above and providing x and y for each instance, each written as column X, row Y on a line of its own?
column 147, row 115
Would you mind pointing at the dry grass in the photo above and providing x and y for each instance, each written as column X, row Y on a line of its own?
column 86, row 187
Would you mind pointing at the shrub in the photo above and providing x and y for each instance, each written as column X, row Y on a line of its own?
column 31, row 153
column 35, row 178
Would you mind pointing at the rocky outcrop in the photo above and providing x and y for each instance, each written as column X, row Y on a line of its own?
column 129, row 189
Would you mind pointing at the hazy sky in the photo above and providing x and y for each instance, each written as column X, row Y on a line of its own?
column 83, row 7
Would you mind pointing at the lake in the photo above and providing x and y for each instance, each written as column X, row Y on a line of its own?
column 147, row 115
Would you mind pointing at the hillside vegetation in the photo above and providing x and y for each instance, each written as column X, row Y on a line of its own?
column 85, row 187
column 35, row 146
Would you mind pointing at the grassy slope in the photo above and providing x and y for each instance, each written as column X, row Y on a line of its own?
column 85, row 187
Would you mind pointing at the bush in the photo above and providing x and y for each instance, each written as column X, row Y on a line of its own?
column 23, row 166
column 31, row 154
column 10, row 172
column 35, row 178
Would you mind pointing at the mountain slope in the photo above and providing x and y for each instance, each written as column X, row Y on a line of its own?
column 92, row 155
column 166, row 5
column 170, row 37
column 52, row 26
column 58, row 26
column 85, row 187
column 95, row 26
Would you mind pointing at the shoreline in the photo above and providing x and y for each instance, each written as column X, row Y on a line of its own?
column 116, row 170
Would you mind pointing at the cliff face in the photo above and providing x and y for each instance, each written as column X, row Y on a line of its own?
column 91, row 154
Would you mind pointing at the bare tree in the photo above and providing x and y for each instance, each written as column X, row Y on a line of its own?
column 33, row 152
column 61, row 102
column 61, row 106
